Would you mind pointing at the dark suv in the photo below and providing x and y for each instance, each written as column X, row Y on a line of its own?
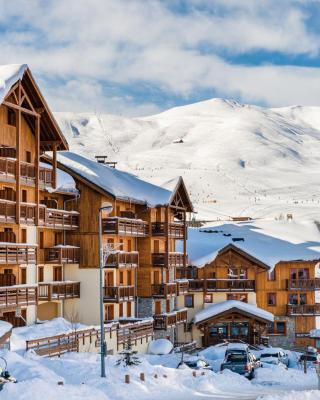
column 242, row 362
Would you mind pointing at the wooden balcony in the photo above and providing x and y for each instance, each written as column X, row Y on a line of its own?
column 165, row 321
column 123, row 259
column 164, row 290
column 27, row 171
column 118, row 294
column 303, row 284
column 46, row 176
column 196, row 285
column 8, row 212
column 58, row 219
column 182, row 316
column 17, row 296
column 306, row 309
column 7, row 169
column 62, row 255
column 174, row 260
column 182, row 286
column 14, row 253
column 230, row 285
column 176, row 230
column 125, row 227
column 58, row 290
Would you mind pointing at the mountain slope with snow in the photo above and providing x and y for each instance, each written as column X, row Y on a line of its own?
column 237, row 160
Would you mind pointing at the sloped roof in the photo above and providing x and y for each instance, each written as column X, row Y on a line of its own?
column 120, row 185
column 267, row 241
column 216, row 309
column 50, row 131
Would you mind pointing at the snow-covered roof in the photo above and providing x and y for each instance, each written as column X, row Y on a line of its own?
column 268, row 241
column 219, row 308
column 5, row 327
column 10, row 74
column 119, row 184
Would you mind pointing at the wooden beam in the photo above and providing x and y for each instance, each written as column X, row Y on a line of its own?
column 54, row 166
column 18, row 159
column 37, row 167
column 167, row 238
column 22, row 109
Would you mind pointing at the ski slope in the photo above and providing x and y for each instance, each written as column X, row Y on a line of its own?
column 237, row 159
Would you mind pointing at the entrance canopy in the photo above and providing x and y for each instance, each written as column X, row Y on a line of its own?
column 218, row 309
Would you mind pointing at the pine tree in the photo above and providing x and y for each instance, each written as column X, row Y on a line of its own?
column 128, row 355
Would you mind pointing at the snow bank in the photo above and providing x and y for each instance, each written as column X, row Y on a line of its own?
column 5, row 327
column 53, row 327
column 160, row 346
column 9, row 75
column 304, row 395
column 218, row 308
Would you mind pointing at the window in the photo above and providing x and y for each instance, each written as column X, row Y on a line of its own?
column 129, row 278
column 297, row 298
column 238, row 296
column 188, row 300
column 11, row 115
column 121, row 245
column 40, row 274
column 129, row 309
column 23, row 276
column 57, row 274
column 41, row 240
column 272, row 275
column 129, row 245
column 8, row 271
column 121, row 278
column 208, row 298
column 156, row 246
column 299, row 273
column 271, row 299
column 277, row 328
column 157, row 307
column 23, row 236
column 28, row 156
column 121, row 310
column 109, row 312
column 168, row 306
column 24, row 196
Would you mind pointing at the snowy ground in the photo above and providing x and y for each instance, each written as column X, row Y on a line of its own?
column 80, row 374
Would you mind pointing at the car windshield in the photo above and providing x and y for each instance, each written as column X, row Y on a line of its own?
column 191, row 363
column 265, row 355
column 237, row 357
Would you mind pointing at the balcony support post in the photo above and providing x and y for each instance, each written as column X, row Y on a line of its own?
column 18, row 156
column 54, row 166
column 37, row 156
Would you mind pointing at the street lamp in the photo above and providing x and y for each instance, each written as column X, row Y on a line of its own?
column 107, row 208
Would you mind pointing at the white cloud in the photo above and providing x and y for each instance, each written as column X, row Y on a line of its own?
column 127, row 42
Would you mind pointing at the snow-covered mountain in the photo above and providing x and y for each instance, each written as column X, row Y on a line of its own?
column 237, row 159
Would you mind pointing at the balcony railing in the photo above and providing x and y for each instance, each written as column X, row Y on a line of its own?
column 46, row 176
column 182, row 286
column 15, row 296
column 182, row 315
column 58, row 290
column 303, row 284
column 27, row 171
column 165, row 321
column 174, row 260
column 123, row 259
column 229, row 285
column 164, row 290
column 196, row 285
column 118, row 293
column 62, row 255
column 13, row 253
column 59, row 219
column 176, row 230
column 125, row 227
column 306, row 309
column 7, row 168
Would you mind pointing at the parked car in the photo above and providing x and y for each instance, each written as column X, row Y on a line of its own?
column 196, row 363
column 274, row 356
column 310, row 358
column 241, row 362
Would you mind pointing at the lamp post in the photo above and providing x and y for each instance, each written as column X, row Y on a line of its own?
column 107, row 208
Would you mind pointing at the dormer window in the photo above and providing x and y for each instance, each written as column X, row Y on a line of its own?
column 11, row 117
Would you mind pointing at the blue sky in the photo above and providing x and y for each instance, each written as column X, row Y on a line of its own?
column 138, row 57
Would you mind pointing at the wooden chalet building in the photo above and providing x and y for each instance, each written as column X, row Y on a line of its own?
column 34, row 217
column 146, row 221
column 228, row 272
